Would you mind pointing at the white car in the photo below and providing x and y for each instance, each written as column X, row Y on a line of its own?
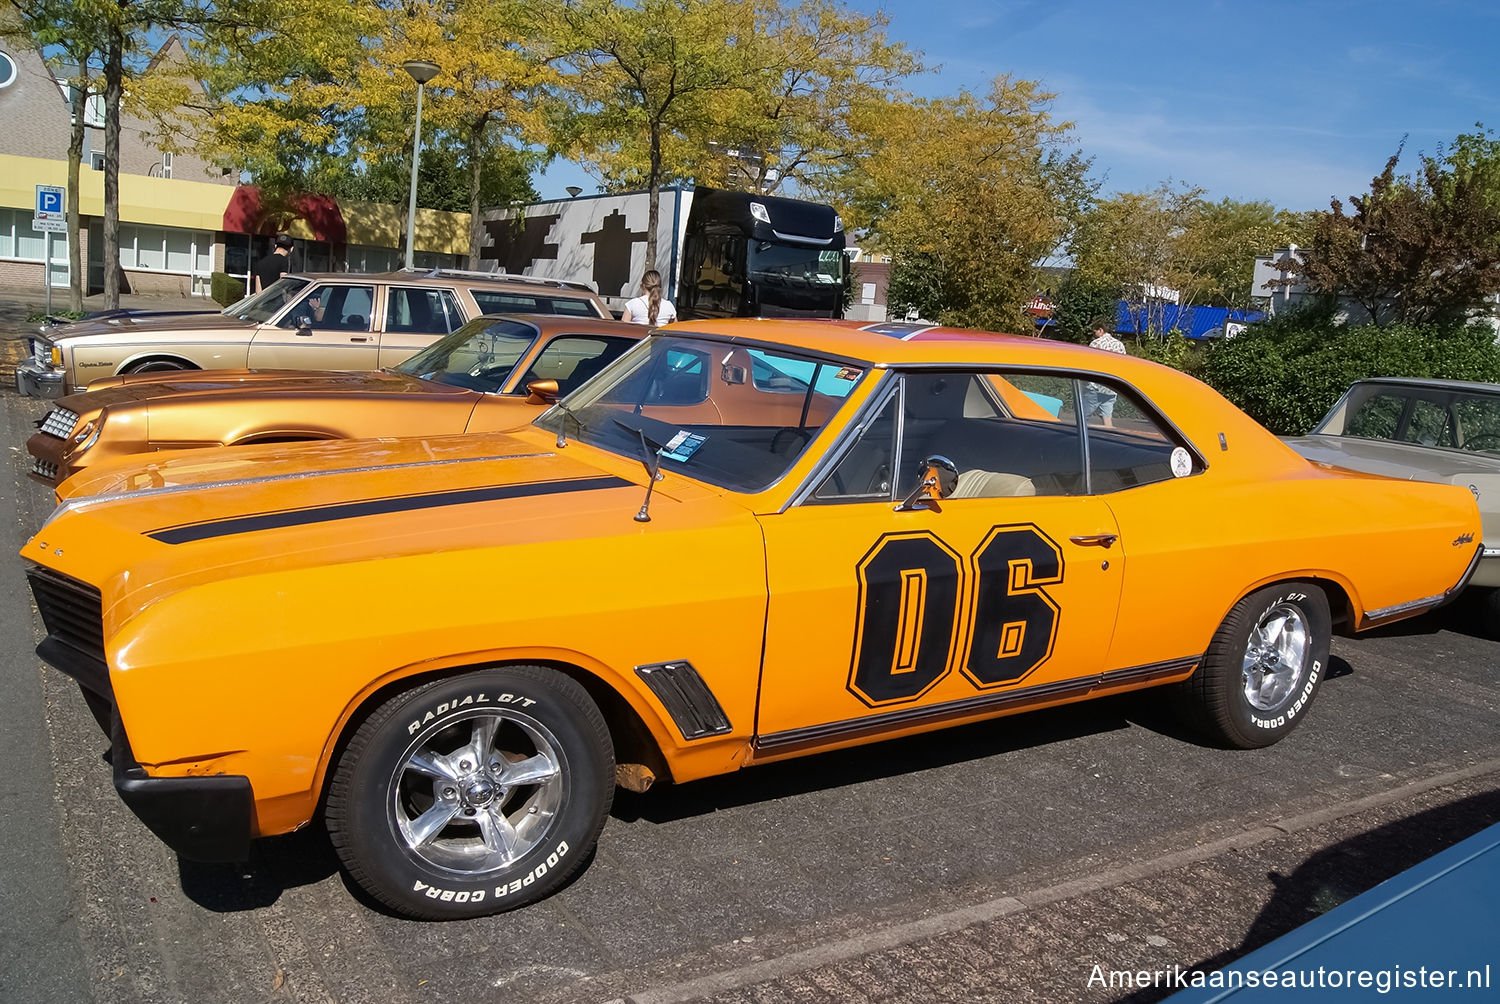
column 1445, row 431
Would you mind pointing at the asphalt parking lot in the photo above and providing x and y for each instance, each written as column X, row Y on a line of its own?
column 996, row 862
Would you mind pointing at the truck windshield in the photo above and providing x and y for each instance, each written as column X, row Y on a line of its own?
column 261, row 307
column 777, row 265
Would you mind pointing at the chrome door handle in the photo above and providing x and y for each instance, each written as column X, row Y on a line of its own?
column 1095, row 539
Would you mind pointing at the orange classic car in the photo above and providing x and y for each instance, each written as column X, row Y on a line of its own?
column 478, row 378
column 743, row 541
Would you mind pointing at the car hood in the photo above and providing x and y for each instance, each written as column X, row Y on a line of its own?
column 235, row 513
column 147, row 322
column 221, row 386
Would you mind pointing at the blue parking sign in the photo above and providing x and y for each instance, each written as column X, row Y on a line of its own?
column 49, row 200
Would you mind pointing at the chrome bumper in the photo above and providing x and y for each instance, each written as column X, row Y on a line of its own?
column 34, row 379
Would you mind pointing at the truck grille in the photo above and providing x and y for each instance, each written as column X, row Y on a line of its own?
column 74, row 615
column 44, row 468
column 59, row 422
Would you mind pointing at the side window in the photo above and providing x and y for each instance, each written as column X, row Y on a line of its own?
column 1429, row 424
column 678, row 378
column 493, row 302
column 865, row 472
column 424, row 311
column 1377, row 417
column 1135, row 448
column 332, row 308
column 568, row 307
column 1007, row 433
column 573, row 359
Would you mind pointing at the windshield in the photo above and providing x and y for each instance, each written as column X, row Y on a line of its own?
column 794, row 267
column 1447, row 418
column 261, row 307
column 480, row 355
column 730, row 415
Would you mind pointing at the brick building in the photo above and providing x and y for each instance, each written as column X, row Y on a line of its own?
column 181, row 219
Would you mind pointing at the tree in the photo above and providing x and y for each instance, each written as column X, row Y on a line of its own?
column 1130, row 242
column 969, row 195
column 793, row 126
column 1423, row 247
column 63, row 27
column 444, row 179
column 1215, row 256
column 649, row 81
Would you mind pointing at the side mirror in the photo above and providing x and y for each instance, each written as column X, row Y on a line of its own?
column 541, row 392
column 939, row 477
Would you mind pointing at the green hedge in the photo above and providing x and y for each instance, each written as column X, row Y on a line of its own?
column 1287, row 374
column 225, row 288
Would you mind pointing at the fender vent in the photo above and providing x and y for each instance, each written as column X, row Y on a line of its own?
column 686, row 697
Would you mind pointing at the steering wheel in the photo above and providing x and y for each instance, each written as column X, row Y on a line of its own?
column 1491, row 439
column 781, row 436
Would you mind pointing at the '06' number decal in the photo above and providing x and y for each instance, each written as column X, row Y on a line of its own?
column 917, row 612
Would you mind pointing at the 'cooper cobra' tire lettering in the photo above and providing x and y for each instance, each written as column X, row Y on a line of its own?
column 911, row 606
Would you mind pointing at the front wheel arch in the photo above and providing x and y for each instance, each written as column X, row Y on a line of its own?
column 632, row 737
column 156, row 362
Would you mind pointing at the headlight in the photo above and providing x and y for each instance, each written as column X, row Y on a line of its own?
column 86, row 436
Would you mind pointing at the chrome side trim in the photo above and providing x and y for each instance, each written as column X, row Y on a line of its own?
column 1374, row 618
column 814, row 736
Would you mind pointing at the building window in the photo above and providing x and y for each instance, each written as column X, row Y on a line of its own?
column 7, row 70
column 166, row 164
column 96, row 161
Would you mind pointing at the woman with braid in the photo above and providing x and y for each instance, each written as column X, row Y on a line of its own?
column 650, row 307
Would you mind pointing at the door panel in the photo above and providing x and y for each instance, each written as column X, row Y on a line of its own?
column 876, row 611
column 329, row 327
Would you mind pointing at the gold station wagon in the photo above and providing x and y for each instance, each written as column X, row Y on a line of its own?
column 308, row 320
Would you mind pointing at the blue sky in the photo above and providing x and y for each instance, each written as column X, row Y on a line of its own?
column 1289, row 103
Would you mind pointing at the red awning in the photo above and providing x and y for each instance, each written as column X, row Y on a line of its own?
column 248, row 214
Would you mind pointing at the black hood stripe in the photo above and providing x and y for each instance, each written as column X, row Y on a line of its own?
column 191, row 532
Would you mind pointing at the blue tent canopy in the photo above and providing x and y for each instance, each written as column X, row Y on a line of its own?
column 1193, row 322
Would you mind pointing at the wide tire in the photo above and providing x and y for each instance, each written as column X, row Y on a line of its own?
column 472, row 795
column 1262, row 669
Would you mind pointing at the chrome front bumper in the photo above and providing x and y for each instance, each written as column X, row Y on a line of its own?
column 35, row 379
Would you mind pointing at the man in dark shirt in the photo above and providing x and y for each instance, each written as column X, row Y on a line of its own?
column 271, row 267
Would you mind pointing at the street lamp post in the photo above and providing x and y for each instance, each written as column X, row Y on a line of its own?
column 421, row 71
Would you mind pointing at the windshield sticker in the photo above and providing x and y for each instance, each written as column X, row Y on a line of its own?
column 1182, row 463
column 848, row 373
column 683, row 445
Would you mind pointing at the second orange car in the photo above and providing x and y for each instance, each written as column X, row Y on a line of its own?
column 474, row 380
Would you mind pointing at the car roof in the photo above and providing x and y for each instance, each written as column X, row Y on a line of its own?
column 449, row 277
column 900, row 343
column 576, row 324
column 1427, row 383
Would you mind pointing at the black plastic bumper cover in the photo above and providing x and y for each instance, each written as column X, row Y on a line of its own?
column 201, row 818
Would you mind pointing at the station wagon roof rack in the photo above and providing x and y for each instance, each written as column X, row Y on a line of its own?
column 504, row 276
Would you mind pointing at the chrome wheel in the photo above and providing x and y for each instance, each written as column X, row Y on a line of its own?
column 472, row 794
column 1275, row 656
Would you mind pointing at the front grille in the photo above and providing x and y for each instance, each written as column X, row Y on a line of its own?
column 72, row 611
column 60, row 423
column 44, row 468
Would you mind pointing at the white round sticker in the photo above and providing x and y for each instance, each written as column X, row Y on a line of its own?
column 1182, row 463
